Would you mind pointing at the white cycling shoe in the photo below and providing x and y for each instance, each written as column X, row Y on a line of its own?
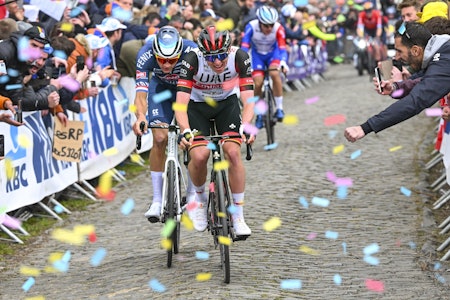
column 240, row 227
column 198, row 216
column 153, row 214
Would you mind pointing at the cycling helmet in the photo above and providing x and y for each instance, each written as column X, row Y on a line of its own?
column 212, row 42
column 167, row 42
column 267, row 15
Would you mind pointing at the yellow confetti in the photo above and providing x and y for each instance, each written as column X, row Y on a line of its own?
column 290, row 119
column 50, row 269
column 136, row 158
column 105, row 182
column 203, row 276
column 9, row 168
column 221, row 214
column 338, row 149
column 55, row 256
column 179, row 107
column 272, row 224
column 23, row 141
column 395, row 148
column 187, row 222
column 166, row 244
column 224, row 240
column 67, row 236
column 35, row 298
column 83, row 229
column 210, row 101
column 132, row 108
column 308, row 250
column 222, row 165
column 111, row 151
column 66, row 27
column 226, row 24
column 29, row 271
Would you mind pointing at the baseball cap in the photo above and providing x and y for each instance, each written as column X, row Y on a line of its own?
column 433, row 9
column 96, row 42
column 110, row 24
column 37, row 33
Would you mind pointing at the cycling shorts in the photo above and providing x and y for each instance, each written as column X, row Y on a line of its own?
column 261, row 62
column 160, row 112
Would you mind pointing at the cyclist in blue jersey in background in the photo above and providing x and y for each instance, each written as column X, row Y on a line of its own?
column 161, row 59
column 267, row 39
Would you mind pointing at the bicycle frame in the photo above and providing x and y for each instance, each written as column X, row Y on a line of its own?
column 269, row 118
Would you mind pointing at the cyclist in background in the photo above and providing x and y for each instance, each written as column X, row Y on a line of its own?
column 267, row 39
column 217, row 72
column 370, row 23
column 159, row 58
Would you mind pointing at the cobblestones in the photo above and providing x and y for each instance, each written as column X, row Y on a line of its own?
column 374, row 211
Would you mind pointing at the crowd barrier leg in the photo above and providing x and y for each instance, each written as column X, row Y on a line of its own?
column 49, row 211
column 117, row 175
column 444, row 223
column 436, row 185
column 84, row 192
column 56, row 203
column 298, row 84
column 437, row 158
column 286, row 87
column 441, row 201
column 13, row 237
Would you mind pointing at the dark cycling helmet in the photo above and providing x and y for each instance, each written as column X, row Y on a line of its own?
column 167, row 42
column 267, row 15
column 211, row 41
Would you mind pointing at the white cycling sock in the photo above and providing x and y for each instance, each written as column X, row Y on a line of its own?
column 279, row 102
column 190, row 186
column 157, row 186
column 200, row 191
column 238, row 199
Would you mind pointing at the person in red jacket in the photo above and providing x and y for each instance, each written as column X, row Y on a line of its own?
column 370, row 23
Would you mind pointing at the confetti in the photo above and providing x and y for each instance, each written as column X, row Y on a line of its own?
column 332, row 134
column 341, row 192
column 374, row 285
column 437, row 266
column 312, row 100
column 338, row 149
column 202, row 255
column 271, row 146
column 299, row 63
column 66, row 27
column 371, row 249
column 338, row 59
column 371, row 260
column 412, row 245
column 344, row 247
column 136, row 158
column 168, row 228
column 127, row 206
column 331, row 235
column 83, row 229
column 29, row 271
column 13, row 87
column 440, row 278
column 67, row 236
column 405, row 191
column 193, row 204
column 396, row 148
column 343, row 181
column 222, row 165
column 253, row 99
column 308, row 250
column 111, row 151
column 397, row 93
column 132, row 108
column 226, row 24
column 290, row 120
column 98, row 257
column 203, row 276
column 210, row 101
column 179, row 107
column 334, row 120
column 163, row 96
column 311, row 236
column 61, row 266
column 187, row 222
column 156, row 286
column 260, row 107
column 69, row 83
column 331, row 176
column 303, row 202
column 11, row 222
column 211, row 146
column 272, row 224
column 35, row 298
column 58, row 209
column 92, row 237
column 224, row 240
column 433, row 112
column 24, row 141
column 232, row 209
column 291, row 284
column 355, row 154
column 166, row 244
column 337, row 279
column 28, row 284
column 320, row 201
column 55, row 256
column 105, row 183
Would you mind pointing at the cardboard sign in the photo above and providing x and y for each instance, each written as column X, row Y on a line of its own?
column 68, row 140
column 386, row 68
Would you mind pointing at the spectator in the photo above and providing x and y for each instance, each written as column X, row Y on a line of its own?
column 231, row 10
column 112, row 28
column 6, row 103
column 7, row 26
column 409, row 9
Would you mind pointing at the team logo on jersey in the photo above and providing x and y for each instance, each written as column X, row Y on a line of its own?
column 141, row 75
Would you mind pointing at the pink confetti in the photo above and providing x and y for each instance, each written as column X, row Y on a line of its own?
column 191, row 205
column 230, row 84
column 251, row 129
column 433, row 112
column 344, row 181
column 311, row 236
column 374, row 285
column 334, row 120
column 331, row 176
column 11, row 222
column 397, row 93
column 312, row 100
column 260, row 107
column 69, row 83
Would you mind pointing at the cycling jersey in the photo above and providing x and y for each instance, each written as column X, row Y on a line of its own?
column 372, row 23
column 273, row 44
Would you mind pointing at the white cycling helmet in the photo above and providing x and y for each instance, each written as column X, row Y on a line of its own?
column 267, row 15
column 167, row 43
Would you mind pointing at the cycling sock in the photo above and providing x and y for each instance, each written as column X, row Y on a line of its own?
column 238, row 199
column 157, row 186
column 190, row 186
column 200, row 191
column 279, row 102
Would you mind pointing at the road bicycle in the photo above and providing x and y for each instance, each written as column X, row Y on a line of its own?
column 173, row 202
column 219, row 200
column 269, row 118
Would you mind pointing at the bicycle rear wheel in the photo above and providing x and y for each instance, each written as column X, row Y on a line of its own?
column 170, row 206
column 270, row 119
column 222, row 221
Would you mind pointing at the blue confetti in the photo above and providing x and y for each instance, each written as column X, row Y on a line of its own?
column 98, row 256
column 13, row 87
column 344, row 247
column 405, row 191
column 371, row 249
column 127, row 206
column 355, row 154
column 320, row 201
column 232, row 209
column 291, row 284
column 4, row 79
column 60, row 54
column 211, row 146
column 28, row 284
column 331, row 235
column 163, row 96
column 66, row 257
column 271, row 146
column 303, row 202
column 299, row 63
column 412, row 245
column 440, row 278
column 13, row 73
column 58, row 209
column 437, row 266
column 156, row 286
column 60, row 265
column 253, row 99
column 371, row 260
column 300, row 3
column 202, row 255
column 122, row 14
column 337, row 279
column 342, row 192
column 332, row 134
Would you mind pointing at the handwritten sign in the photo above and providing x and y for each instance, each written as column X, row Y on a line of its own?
column 68, row 140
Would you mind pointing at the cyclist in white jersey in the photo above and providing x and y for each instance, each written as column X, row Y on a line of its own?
column 212, row 79
column 267, row 39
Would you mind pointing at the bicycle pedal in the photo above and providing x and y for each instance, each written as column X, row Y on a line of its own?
column 153, row 219
column 236, row 238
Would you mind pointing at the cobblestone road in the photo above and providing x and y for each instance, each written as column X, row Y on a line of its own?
column 374, row 211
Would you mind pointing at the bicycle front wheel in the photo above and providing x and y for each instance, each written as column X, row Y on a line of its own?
column 170, row 206
column 223, row 227
column 270, row 118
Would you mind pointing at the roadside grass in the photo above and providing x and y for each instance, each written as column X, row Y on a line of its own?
column 38, row 225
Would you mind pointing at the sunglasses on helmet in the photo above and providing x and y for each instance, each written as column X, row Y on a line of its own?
column 213, row 57
column 163, row 60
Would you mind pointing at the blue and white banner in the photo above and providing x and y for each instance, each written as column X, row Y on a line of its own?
column 35, row 173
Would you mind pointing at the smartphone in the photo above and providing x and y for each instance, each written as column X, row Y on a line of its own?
column 93, row 84
column 2, row 145
column 378, row 76
column 80, row 63
column 18, row 115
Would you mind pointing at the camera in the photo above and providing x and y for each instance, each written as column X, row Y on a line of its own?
column 80, row 63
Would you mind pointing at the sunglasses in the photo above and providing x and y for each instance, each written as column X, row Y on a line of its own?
column 163, row 60
column 207, row 3
column 213, row 57
column 267, row 25
column 402, row 31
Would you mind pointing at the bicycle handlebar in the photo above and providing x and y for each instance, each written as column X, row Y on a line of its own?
column 217, row 138
column 139, row 137
column 157, row 126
